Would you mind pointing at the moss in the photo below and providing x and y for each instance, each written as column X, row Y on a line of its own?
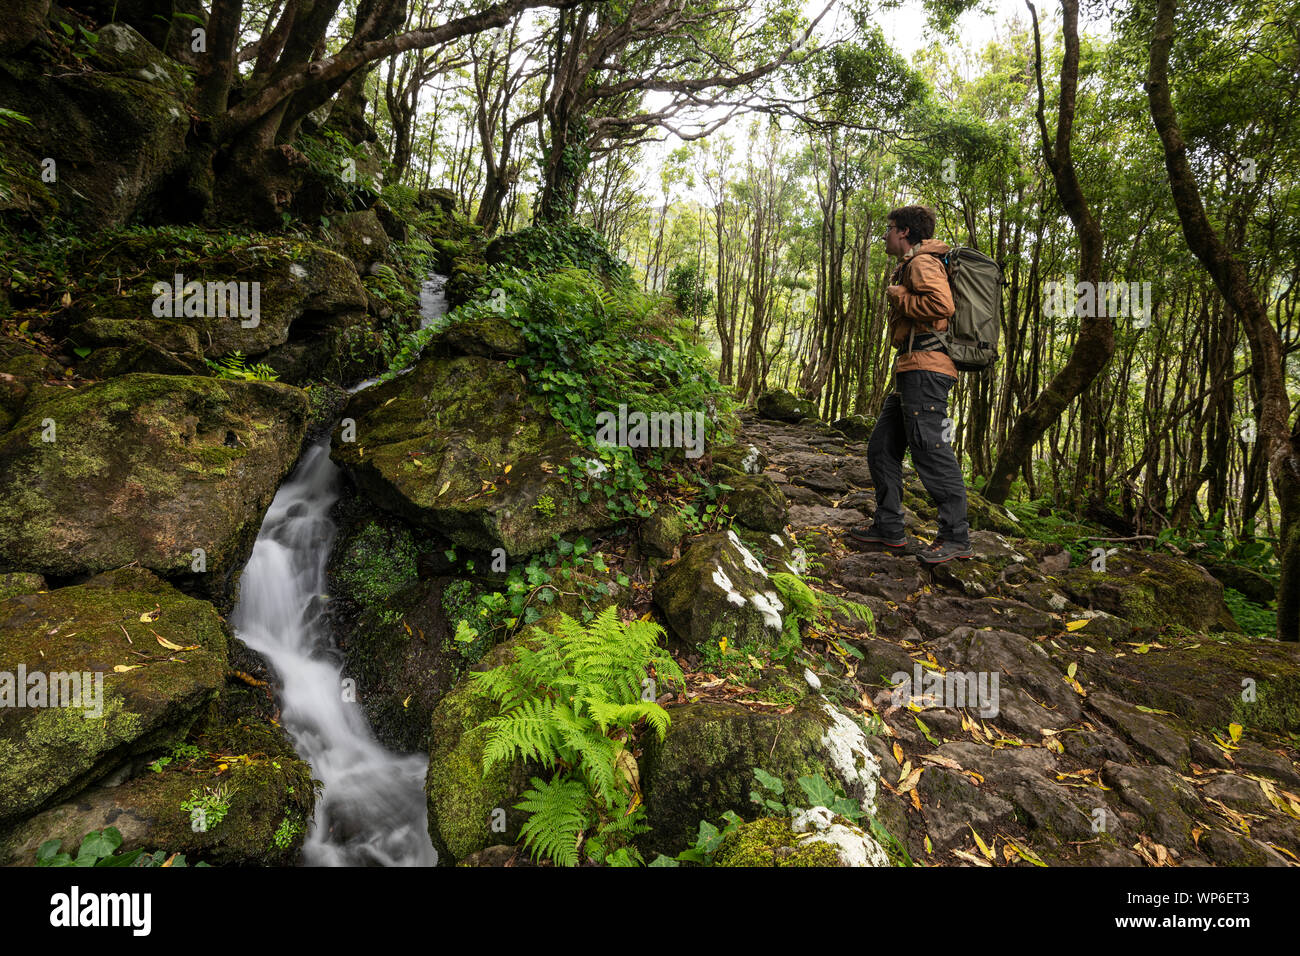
column 46, row 753
column 771, row 842
column 375, row 564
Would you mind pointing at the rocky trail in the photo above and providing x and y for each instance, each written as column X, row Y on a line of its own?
column 1130, row 724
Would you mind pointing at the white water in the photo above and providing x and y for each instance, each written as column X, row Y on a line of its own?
column 373, row 809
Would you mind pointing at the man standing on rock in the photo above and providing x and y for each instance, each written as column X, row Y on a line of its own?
column 913, row 416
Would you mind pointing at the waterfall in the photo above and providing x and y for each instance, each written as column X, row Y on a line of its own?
column 372, row 811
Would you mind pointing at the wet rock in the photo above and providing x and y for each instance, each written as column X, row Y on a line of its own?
column 952, row 804
column 1160, row 798
column 855, row 426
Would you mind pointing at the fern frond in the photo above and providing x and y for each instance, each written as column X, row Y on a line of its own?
column 558, row 813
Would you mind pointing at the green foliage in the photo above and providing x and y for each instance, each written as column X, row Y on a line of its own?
column 804, row 605
column 234, row 366
column 290, row 829
column 376, row 563
column 691, row 294
column 99, row 848
column 214, row 802
column 571, row 703
column 1252, row 618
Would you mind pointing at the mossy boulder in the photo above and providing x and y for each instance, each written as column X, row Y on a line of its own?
column 462, row 797
column 359, row 236
column 309, row 300
column 268, row 791
column 983, row 515
column 857, row 427
column 756, row 502
column 145, row 469
column 738, row 459
column 23, row 20
column 20, row 582
column 662, row 533
column 1152, row 590
column 488, row 336
column 717, row 589
column 117, row 132
column 22, row 367
column 1209, row 680
column 705, row 764
column 50, row 752
column 783, row 406
column 459, row 447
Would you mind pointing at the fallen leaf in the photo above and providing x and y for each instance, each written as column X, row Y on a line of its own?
column 148, row 617
column 970, row 858
column 984, row 847
column 123, row 668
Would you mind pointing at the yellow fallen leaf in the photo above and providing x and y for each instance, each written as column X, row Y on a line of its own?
column 407, row 701
column 984, row 847
column 443, row 489
column 1076, row 625
column 929, row 847
column 970, row 858
column 148, row 617
column 898, row 753
column 913, row 778
column 916, row 799
column 507, row 471
column 168, row 644
column 1029, row 856
column 123, row 668
column 1234, row 731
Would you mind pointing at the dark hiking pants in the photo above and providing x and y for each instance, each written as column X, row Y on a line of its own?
column 913, row 419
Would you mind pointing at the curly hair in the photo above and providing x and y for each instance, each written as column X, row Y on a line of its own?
column 917, row 220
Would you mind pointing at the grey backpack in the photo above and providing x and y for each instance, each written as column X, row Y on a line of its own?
column 971, row 340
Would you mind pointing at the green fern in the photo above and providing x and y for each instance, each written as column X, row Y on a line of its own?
column 809, row 606
column 557, row 816
column 234, row 366
column 571, row 701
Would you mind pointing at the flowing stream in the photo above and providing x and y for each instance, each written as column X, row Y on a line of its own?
column 373, row 810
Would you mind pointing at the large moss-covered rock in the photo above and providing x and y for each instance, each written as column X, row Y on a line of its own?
column 23, row 18
column 268, row 790
column 145, row 469
column 757, row 502
column 50, row 752
column 116, row 135
column 782, row 406
column 1152, row 590
column 309, row 304
column 360, row 236
column 718, row 588
column 462, row 798
column 459, row 447
column 1209, row 680
column 705, row 764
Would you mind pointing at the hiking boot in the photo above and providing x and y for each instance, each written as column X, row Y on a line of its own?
column 942, row 551
column 874, row 535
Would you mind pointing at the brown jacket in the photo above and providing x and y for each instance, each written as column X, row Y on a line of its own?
column 926, row 303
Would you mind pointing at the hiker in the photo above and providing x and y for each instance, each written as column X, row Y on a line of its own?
column 913, row 414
